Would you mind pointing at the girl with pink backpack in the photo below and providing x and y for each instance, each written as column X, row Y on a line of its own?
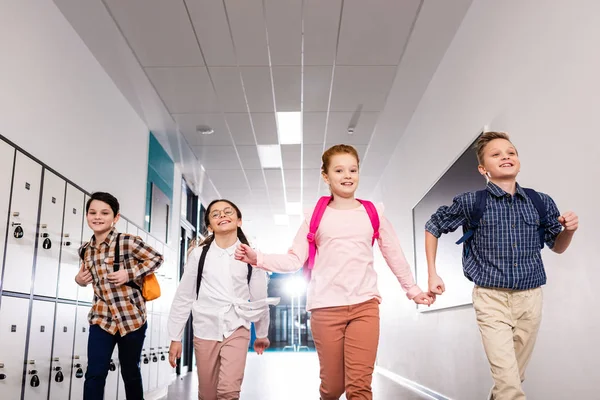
column 342, row 292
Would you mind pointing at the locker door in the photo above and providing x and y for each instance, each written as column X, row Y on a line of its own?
column 71, row 241
column 154, row 356
column 112, row 380
column 40, row 350
column 7, row 159
column 80, row 354
column 62, row 352
column 14, row 313
column 23, row 223
column 165, row 371
column 50, row 231
column 121, row 389
column 86, row 294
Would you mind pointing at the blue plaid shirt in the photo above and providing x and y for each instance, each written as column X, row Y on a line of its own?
column 505, row 251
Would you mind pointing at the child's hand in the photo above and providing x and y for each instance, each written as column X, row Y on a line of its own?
column 436, row 285
column 569, row 220
column 424, row 298
column 260, row 345
column 84, row 276
column 245, row 254
column 118, row 278
column 174, row 353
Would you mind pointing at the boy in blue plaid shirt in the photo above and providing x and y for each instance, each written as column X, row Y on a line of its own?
column 503, row 259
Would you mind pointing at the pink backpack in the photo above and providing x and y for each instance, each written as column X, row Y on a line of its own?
column 314, row 225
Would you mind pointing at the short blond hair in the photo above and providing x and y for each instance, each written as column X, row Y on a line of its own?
column 484, row 139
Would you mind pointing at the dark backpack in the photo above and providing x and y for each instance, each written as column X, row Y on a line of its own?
column 479, row 209
column 201, row 268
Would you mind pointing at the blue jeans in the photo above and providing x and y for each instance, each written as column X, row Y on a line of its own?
column 100, row 348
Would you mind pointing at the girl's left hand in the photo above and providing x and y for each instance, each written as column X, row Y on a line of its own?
column 118, row 278
column 424, row 298
column 260, row 345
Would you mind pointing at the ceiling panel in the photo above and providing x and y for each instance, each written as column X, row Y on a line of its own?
column 290, row 154
column 249, row 157
column 212, row 31
column 187, row 124
column 230, row 91
column 241, row 128
column 292, row 194
column 284, row 25
column 217, row 157
column 256, row 179
column 321, row 22
column 366, row 86
column 228, row 178
column 312, row 156
column 317, row 82
column 314, row 127
column 159, row 32
column 235, row 195
column 265, row 128
column 292, row 178
column 287, row 83
column 184, row 90
column 274, row 179
column 249, row 31
column 311, row 177
column 337, row 128
column 257, row 82
column 375, row 32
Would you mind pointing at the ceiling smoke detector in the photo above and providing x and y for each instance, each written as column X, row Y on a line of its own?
column 204, row 130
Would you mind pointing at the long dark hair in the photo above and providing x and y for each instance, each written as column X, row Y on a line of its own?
column 209, row 238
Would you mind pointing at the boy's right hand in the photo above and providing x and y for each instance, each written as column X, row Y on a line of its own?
column 84, row 276
column 436, row 284
column 245, row 254
column 174, row 353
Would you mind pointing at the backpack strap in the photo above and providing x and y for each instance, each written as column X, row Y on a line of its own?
column 476, row 214
column 82, row 250
column 201, row 267
column 539, row 205
column 373, row 216
column 315, row 220
column 117, row 263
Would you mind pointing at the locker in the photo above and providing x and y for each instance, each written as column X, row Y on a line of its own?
column 71, row 241
column 143, row 235
column 14, row 313
column 146, row 361
column 165, row 373
column 7, row 158
column 62, row 352
column 82, row 327
column 22, row 224
column 154, row 326
column 121, row 225
column 112, row 379
column 50, row 231
column 40, row 350
column 132, row 229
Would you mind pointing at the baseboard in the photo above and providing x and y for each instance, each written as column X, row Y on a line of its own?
column 414, row 386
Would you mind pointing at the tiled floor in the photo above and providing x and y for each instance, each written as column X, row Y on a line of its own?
column 286, row 376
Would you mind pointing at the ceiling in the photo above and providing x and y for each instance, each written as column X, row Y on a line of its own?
column 231, row 65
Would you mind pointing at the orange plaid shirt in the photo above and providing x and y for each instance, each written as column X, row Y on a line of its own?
column 119, row 308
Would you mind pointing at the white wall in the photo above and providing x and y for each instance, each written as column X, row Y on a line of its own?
column 530, row 68
column 57, row 103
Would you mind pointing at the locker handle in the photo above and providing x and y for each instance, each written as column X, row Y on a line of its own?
column 77, row 365
column 56, row 359
column 57, row 369
column 2, row 377
column 31, row 361
column 35, row 381
column 79, row 373
column 112, row 366
column 59, row 377
column 18, row 234
column 15, row 224
column 44, row 235
column 67, row 243
column 33, row 372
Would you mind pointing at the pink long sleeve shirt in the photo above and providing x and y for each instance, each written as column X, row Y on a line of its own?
column 343, row 272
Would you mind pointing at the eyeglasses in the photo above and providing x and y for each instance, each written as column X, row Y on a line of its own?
column 216, row 214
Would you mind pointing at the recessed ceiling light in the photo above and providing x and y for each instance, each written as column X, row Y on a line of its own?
column 289, row 127
column 204, row 130
column 269, row 155
column 281, row 219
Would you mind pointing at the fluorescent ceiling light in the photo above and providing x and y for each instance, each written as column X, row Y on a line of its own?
column 281, row 219
column 293, row 208
column 289, row 127
column 270, row 155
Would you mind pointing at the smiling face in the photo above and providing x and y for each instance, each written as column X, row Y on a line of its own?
column 342, row 175
column 100, row 217
column 223, row 218
column 500, row 160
